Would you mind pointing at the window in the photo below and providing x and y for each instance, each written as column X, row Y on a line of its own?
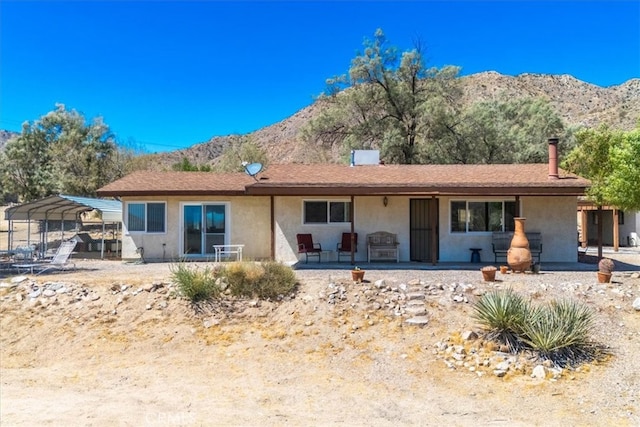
column 326, row 212
column 146, row 217
column 472, row 216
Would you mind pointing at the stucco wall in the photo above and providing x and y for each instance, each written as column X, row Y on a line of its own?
column 554, row 217
column 248, row 224
column 454, row 247
column 370, row 216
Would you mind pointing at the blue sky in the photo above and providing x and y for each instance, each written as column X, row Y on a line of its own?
column 168, row 75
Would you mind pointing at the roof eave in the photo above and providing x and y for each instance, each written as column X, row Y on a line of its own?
column 141, row 193
column 409, row 190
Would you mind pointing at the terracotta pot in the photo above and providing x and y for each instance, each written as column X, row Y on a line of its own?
column 519, row 255
column 357, row 275
column 604, row 277
column 488, row 275
column 504, row 269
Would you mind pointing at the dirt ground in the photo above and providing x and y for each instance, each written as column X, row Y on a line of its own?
column 110, row 344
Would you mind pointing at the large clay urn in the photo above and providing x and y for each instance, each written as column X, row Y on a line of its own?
column 519, row 255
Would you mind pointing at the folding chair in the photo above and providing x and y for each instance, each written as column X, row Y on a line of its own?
column 59, row 261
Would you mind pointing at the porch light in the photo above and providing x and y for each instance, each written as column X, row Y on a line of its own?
column 385, row 201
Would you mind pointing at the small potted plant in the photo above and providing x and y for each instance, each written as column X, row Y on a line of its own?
column 357, row 274
column 605, row 268
column 489, row 273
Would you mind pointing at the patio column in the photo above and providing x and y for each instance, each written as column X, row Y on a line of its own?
column 616, row 230
column 273, row 227
column 584, row 228
column 599, row 213
column 434, row 232
column 353, row 227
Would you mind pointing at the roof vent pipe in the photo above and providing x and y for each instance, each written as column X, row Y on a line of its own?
column 553, row 158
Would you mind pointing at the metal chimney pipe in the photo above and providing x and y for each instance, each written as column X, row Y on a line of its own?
column 553, row 158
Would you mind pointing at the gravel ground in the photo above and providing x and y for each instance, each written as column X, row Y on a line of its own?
column 118, row 348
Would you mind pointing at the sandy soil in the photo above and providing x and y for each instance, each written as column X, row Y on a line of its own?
column 116, row 347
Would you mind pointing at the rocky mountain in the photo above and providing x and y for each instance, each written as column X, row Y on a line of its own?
column 577, row 102
column 6, row 135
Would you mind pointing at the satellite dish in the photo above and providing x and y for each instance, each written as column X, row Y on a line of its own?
column 253, row 169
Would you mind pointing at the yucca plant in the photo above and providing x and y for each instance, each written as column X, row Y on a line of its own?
column 502, row 314
column 560, row 331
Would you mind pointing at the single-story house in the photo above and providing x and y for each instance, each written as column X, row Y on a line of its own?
column 437, row 212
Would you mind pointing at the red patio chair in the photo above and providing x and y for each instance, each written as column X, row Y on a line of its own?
column 307, row 247
column 344, row 247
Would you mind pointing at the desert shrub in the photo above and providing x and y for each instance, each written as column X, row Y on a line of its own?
column 194, row 283
column 502, row 314
column 560, row 331
column 278, row 279
column 241, row 277
column 267, row 280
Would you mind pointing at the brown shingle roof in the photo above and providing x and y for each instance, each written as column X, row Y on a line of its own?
column 330, row 179
column 147, row 183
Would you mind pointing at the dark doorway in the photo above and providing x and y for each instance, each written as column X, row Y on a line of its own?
column 423, row 222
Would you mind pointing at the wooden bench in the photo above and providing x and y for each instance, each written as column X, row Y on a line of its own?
column 501, row 241
column 227, row 250
column 382, row 246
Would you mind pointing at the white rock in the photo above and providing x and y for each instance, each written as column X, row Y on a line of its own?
column 469, row 336
column 418, row 320
column 4, row 285
column 503, row 366
column 18, row 279
column 380, row 283
column 49, row 293
column 539, row 372
column 636, row 304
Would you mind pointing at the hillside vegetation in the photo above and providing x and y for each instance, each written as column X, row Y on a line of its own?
column 580, row 104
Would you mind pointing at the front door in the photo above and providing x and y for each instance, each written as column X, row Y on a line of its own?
column 423, row 222
column 203, row 225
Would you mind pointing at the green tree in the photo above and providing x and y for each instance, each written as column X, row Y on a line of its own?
column 186, row 166
column 414, row 114
column 622, row 187
column 240, row 150
column 380, row 102
column 591, row 158
column 611, row 160
column 496, row 131
column 59, row 153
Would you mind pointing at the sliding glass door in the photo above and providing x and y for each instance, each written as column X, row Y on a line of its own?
column 203, row 225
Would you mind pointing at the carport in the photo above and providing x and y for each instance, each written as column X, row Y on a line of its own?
column 61, row 208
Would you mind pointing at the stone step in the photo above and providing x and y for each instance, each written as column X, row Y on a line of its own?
column 416, row 296
column 416, row 310
column 416, row 302
column 418, row 320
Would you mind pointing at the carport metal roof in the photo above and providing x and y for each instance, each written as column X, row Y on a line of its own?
column 63, row 208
